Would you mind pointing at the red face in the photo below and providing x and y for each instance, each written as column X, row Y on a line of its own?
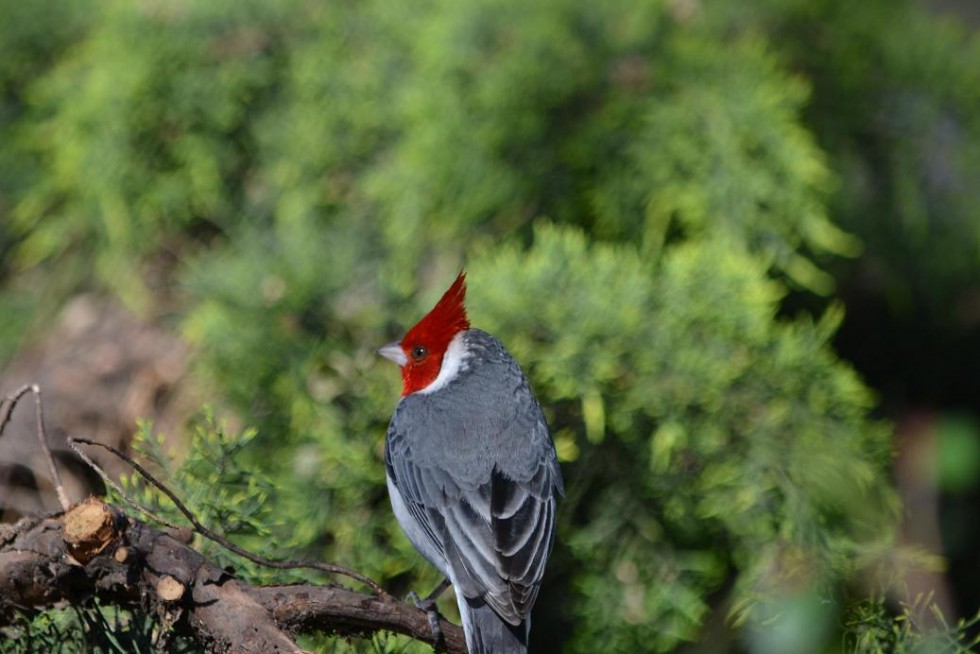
column 422, row 367
column 425, row 344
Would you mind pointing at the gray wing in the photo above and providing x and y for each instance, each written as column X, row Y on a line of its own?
column 413, row 482
column 495, row 532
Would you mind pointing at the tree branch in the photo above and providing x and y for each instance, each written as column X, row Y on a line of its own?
column 96, row 550
column 7, row 409
column 198, row 526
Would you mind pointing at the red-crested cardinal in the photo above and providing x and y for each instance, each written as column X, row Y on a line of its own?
column 472, row 472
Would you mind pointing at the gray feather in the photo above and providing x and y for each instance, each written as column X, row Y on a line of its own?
column 486, row 633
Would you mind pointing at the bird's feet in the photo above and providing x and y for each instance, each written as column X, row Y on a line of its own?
column 432, row 612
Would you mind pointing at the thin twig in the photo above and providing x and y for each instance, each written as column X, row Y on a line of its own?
column 8, row 404
column 7, row 410
column 221, row 540
column 42, row 437
column 73, row 444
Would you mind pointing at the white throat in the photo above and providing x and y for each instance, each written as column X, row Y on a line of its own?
column 453, row 362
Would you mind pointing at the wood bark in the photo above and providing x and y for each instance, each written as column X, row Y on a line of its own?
column 95, row 550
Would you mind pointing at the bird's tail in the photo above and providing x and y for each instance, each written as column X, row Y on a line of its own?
column 487, row 633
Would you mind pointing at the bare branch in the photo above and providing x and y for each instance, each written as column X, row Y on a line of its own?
column 43, row 438
column 7, row 409
column 213, row 536
column 134, row 565
column 8, row 404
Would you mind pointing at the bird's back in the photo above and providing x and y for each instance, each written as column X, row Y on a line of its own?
column 475, row 469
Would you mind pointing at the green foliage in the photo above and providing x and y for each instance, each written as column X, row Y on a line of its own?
column 957, row 465
column 143, row 133
column 744, row 431
column 872, row 629
column 92, row 628
column 33, row 36
column 586, row 114
column 611, row 141
column 215, row 482
column 634, row 187
column 895, row 105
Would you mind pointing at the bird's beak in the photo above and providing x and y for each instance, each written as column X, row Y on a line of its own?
column 393, row 352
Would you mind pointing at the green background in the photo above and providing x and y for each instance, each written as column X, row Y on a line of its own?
column 734, row 246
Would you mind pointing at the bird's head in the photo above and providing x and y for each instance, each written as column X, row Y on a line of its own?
column 423, row 349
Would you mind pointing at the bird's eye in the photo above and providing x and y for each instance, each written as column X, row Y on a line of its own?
column 419, row 352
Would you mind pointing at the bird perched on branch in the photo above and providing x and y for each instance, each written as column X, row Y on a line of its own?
column 472, row 472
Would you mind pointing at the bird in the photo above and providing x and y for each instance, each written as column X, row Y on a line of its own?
column 472, row 472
